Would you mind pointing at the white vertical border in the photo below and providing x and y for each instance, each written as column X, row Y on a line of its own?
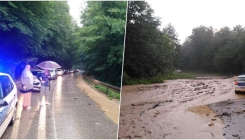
column 122, row 69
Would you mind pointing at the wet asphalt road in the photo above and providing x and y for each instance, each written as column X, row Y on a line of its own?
column 71, row 115
column 232, row 112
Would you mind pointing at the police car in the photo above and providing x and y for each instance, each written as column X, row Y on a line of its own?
column 8, row 102
column 240, row 83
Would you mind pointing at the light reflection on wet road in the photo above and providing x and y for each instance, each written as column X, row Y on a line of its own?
column 72, row 114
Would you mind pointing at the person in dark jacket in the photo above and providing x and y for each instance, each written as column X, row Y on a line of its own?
column 45, row 86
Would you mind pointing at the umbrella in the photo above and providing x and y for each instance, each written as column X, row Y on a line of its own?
column 48, row 65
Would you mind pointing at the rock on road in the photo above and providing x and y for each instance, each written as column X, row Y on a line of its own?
column 71, row 115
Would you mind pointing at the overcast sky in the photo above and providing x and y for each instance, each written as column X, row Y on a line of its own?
column 76, row 7
column 185, row 15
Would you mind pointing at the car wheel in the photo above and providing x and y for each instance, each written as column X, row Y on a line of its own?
column 236, row 92
column 13, row 117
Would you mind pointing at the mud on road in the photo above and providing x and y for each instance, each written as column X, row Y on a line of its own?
column 232, row 113
column 175, row 109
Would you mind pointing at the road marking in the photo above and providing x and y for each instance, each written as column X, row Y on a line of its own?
column 55, row 133
column 42, row 124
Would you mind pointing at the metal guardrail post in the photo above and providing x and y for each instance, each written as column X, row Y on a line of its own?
column 94, row 81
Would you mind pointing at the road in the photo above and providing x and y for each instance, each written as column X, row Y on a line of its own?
column 183, row 108
column 71, row 115
column 232, row 113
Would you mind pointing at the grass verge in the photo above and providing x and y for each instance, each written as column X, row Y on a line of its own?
column 110, row 93
column 157, row 79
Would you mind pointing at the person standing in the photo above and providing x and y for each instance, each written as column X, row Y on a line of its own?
column 45, row 86
column 27, row 86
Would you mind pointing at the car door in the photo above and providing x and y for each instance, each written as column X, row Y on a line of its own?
column 241, row 81
column 7, row 97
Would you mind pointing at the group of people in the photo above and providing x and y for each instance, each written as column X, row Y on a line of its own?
column 27, row 86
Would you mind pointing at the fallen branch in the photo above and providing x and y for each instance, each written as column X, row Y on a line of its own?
column 154, row 106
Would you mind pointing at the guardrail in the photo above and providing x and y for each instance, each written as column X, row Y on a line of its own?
column 108, row 86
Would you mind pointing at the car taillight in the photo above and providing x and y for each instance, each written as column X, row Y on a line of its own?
column 236, row 83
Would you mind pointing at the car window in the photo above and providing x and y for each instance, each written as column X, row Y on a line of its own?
column 6, row 86
column 241, row 79
column 1, row 92
column 36, row 73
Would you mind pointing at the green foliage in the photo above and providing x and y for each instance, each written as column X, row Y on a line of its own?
column 221, row 51
column 40, row 29
column 184, row 76
column 102, row 40
column 110, row 93
column 159, row 78
column 148, row 50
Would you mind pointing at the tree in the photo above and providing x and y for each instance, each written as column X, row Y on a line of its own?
column 102, row 40
column 222, row 51
column 173, row 36
column 40, row 29
column 148, row 51
column 199, row 42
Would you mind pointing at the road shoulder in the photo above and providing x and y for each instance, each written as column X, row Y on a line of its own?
column 110, row 107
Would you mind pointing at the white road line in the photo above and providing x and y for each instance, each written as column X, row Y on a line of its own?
column 55, row 133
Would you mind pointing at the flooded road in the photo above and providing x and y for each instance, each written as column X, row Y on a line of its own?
column 175, row 109
column 232, row 112
column 71, row 115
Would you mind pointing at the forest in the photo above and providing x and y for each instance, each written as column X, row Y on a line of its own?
column 152, row 54
column 215, row 51
column 45, row 30
column 149, row 51
column 102, row 40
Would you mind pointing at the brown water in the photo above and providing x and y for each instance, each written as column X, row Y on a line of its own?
column 174, row 109
column 110, row 107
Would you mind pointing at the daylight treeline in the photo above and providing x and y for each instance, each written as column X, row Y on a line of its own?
column 42, row 29
column 149, row 50
column 215, row 51
column 102, row 40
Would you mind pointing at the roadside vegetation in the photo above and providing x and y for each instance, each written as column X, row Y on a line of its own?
column 110, row 93
column 102, row 40
column 152, row 54
column 215, row 51
column 26, row 32
column 157, row 79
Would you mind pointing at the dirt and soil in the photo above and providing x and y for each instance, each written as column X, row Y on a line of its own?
column 175, row 109
column 110, row 107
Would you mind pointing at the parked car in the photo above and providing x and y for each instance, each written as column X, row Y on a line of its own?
column 67, row 72
column 36, row 83
column 240, row 84
column 53, row 74
column 71, row 71
column 178, row 71
column 60, row 72
column 8, row 102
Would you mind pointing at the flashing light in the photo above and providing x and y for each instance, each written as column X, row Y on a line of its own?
column 236, row 83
